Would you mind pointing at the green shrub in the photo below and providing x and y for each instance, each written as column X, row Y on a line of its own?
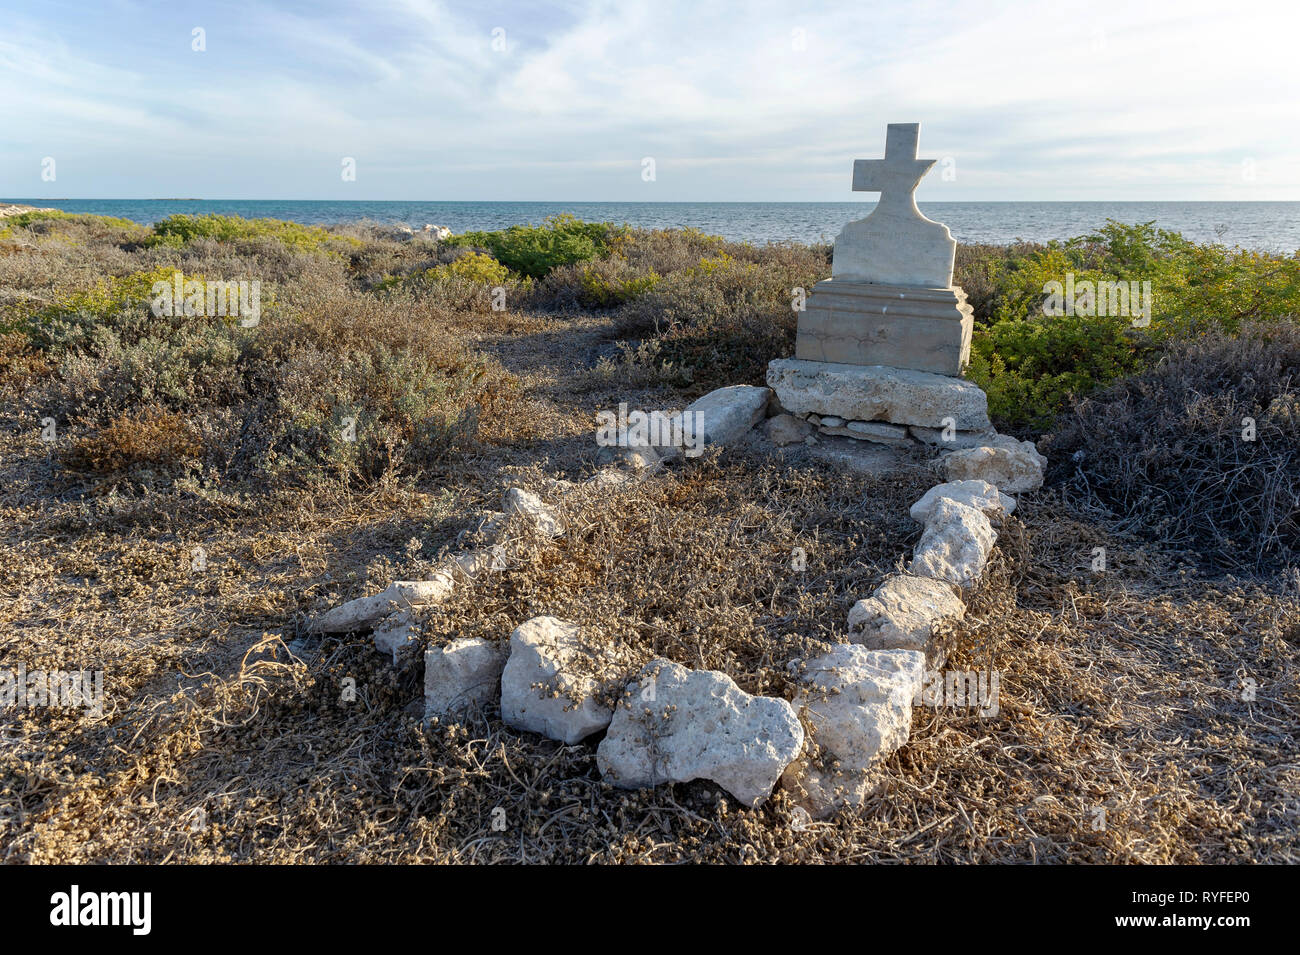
column 178, row 230
column 1032, row 363
column 601, row 290
column 474, row 267
column 535, row 250
column 1031, row 367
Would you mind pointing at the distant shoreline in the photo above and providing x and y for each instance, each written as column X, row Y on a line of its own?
column 1272, row 226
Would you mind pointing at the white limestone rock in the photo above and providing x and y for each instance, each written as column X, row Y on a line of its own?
column 980, row 495
column 363, row 612
column 878, row 393
column 955, row 546
column 697, row 724
column 952, row 440
column 553, row 683
column 397, row 634
column 786, row 429
column 858, row 704
column 518, row 501
column 727, row 414
column 902, row 613
column 1014, row 466
column 463, row 674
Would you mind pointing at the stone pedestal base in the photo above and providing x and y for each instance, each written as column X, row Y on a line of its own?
column 863, row 323
column 876, row 393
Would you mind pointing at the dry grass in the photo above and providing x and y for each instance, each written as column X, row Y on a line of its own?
column 1117, row 691
column 227, row 735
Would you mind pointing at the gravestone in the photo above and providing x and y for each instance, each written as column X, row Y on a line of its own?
column 886, row 337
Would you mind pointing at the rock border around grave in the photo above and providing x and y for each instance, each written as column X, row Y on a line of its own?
column 856, row 699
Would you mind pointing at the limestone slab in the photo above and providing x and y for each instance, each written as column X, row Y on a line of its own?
column 878, row 393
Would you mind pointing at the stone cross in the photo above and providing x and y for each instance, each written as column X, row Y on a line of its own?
column 895, row 245
column 896, row 176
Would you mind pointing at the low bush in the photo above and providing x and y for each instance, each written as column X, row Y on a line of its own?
column 1201, row 451
column 155, row 440
column 536, row 250
column 178, row 230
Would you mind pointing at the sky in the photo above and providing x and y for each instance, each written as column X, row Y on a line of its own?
column 656, row 101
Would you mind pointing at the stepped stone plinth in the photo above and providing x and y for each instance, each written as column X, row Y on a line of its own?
column 862, row 323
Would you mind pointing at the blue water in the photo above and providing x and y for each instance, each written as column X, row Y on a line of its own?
column 1271, row 226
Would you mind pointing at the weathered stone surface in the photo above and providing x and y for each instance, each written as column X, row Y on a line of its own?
column 553, row 682
column 830, row 421
column 861, row 323
column 786, row 429
column 980, row 495
column 955, row 546
column 727, row 414
column 902, row 613
column 878, row 393
column 895, row 245
column 1014, row 466
column 365, row 611
column 518, row 501
column 698, row 725
column 858, row 703
column 397, row 634
column 952, row 440
column 877, row 431
column 463, row 674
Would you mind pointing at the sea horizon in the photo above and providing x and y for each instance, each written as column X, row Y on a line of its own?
column 1266, row 225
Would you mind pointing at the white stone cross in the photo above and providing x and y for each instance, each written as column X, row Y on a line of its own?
column 896, row 176
column 895, row 245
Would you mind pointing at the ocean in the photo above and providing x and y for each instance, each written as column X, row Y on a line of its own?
column 1267, row 226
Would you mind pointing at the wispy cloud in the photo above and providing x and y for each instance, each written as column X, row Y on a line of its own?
column 501, row 100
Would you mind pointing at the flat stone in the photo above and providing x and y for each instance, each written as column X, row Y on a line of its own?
column 955, row 546
column 902, row 613
column 675, row 725
column 727, row 414
column 830, row 421
column 858, row 703
column 878, row 393
column 951, row 439
column 463, row 674
column 786, row 429
column 861, row 323
column 553, row 682
column 855, row 454
column 980, row 495
column 363, row 612
column 1013, row 466
column 518, row 501
column 879, row 432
